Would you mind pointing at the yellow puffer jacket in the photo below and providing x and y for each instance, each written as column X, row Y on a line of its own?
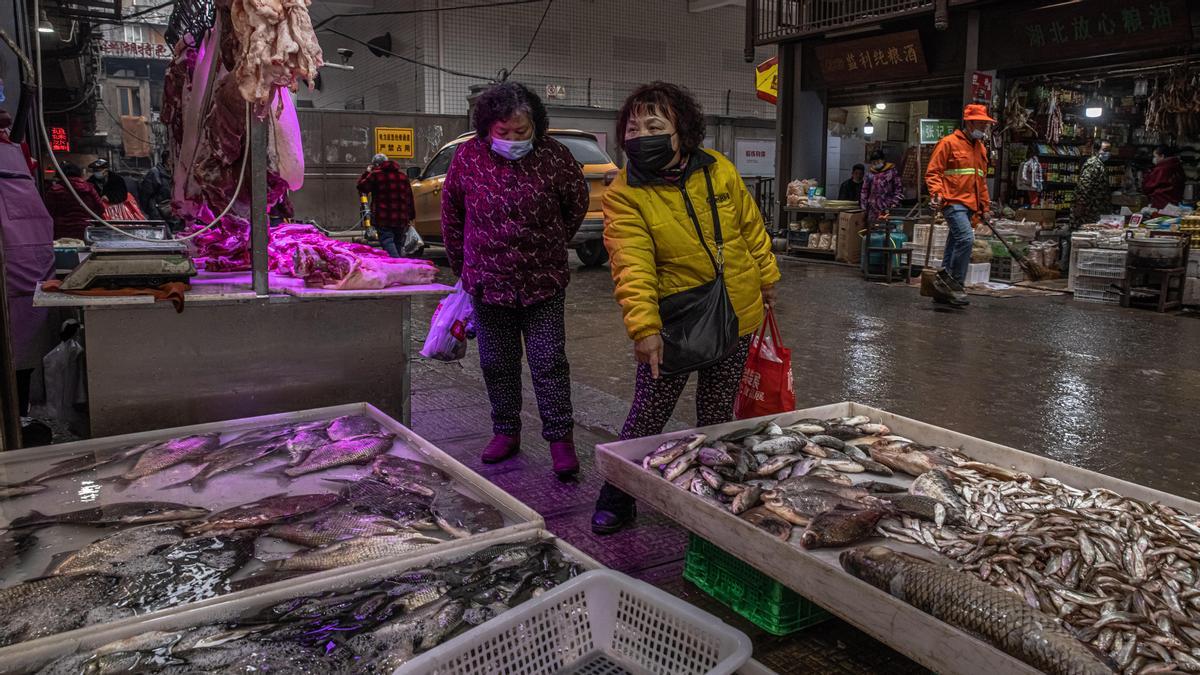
column 655, row 253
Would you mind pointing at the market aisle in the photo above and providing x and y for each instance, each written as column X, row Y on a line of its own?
column 1081, row 383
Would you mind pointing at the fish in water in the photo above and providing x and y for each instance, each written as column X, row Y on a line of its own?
column 325, row 529
column 49, row 605
column 768, row 521
column 109, row 555
column 170, row 453
column 14, row 544
column 299, row 445
column 351, row 426
column 265, row 511
column 356, row 450
column 375, row 496
column 671, row 450
column 21, row 490
column 353, row 551
column 232, row 457
column 461, row 516
column 410, row 475
column 119, row 513
column 841, row 526
column 195, row 569
column 999, row 617
column 937, row 485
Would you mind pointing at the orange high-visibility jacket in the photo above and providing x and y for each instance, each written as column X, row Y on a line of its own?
column 958, row 172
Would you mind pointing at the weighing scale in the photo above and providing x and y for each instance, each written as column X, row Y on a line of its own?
column 119, row 262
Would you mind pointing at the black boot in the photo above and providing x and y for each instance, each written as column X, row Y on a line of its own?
column 614, row 510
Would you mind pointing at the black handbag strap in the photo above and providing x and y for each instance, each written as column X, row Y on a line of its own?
column 718, row 261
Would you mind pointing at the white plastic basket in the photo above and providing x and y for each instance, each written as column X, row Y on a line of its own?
column 599, row 623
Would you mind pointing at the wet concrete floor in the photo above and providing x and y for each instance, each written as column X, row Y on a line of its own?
column 1108, row 389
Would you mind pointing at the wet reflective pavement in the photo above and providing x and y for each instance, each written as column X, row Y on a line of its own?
column 1108, row 389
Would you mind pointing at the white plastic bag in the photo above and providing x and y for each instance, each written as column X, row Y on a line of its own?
column 413, row 243
column 447, row 339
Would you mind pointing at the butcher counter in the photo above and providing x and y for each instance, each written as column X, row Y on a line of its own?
column 233, row 354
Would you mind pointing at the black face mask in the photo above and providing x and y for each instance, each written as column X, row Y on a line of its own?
column 651, row 154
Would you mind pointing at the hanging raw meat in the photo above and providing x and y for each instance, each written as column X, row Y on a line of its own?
column 277, row 45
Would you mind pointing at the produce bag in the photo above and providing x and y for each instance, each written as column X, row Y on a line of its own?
column 766, row 387
column 413, row 243
column 447, row 339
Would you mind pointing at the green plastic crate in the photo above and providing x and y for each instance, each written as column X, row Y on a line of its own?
column 765, row 602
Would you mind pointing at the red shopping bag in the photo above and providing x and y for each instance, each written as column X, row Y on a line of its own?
column 766, row 387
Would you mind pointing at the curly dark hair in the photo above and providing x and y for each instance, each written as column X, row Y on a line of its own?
column 502, row 101
column 675, row 102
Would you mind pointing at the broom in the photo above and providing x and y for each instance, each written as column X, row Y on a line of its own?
column 1033, row 270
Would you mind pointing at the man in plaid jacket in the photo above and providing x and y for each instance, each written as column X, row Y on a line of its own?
column 392, row 207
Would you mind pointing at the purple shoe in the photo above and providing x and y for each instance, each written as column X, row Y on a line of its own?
column 566, row 464
column 500, row 448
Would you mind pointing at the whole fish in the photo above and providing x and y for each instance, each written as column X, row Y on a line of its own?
column 265, row 511
column 731, row 489
column 195, row 569
column 830, row 475
column 765, row 519
column 714, row 479
column 742, row 434
column 49, row 605
column 776, row 463
column 878, row 487
column 169, row 453
column 108, row 555
column 299, row 445
column 460, row 516
column 684, row 480
column 841, row 526
column 699, row 486
column 20, row 490
column 827, row 441
column 746, row 500
column 822, row 484
column 712, row 456
column 856, row 421
column 87, row 462
column 375, row 496
column 873, row 429
column 353, row 551
column 925, row 508
column 935, row 484
column 843, row 463
column 863, row 457
column 961, row 600
column 806, row 428
column 350, row 426
column 681, row 464
column 325, row 529
column 804, row 466
column 671, row 450
column 799, row 508
column 908, row 458
column 356, row 450
column 779, row 445
column 410, row 475
column 842, row 432
column 232, row 457
column 119, row 513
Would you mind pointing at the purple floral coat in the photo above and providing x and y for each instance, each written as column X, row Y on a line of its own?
column 881, row 191
column 506, row 224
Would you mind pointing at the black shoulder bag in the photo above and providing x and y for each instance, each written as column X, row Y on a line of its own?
column 700, row 327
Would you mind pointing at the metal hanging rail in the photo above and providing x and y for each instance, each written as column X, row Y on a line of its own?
column 773, row 21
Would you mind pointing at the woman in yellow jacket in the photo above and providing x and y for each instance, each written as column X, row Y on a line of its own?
column 656, row 252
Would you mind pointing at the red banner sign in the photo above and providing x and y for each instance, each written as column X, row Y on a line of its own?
column 136, row 50
column 58, row 140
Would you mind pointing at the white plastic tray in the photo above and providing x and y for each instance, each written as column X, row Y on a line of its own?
column 34, row 655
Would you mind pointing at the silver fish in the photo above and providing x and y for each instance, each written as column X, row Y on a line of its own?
column 681, row 464
column 350, row 426
column 304, row 442
column 873, row 429
column 711, row 477
column 170, row 453
column 748, row 499
column 712, row 456
column 806, row 429
column 108, row 555
column 353, row 551
column 327, row 529
column 461, row 516
column 671, row 450
column 828, row 441
column 780, row 445
column 356, row 450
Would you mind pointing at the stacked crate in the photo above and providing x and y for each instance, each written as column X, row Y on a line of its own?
column 921, row 241
column 1098, row 270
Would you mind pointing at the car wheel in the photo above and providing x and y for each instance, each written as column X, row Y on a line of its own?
column 592, row 253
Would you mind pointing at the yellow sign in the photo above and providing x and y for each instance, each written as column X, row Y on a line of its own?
column 766, row 76
column 394, row 142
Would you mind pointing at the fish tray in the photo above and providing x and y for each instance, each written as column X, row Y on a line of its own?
column 764, row 602
column 816, row 574
column 34, row 655
column 599, row 622
column 221, row 492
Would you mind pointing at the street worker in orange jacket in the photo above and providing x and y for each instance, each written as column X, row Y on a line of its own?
column 957, row 181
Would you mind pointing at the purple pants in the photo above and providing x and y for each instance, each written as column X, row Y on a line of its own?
column 654, row 401
column 500, row 331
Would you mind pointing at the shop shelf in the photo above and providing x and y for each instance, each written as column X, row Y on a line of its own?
column 763, row 601
column 1006, row 270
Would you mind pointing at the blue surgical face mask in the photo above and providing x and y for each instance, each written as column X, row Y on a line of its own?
column 1104, row 156
column 513, row 150
column 978, row 134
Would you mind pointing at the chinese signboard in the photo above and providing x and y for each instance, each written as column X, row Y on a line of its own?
column 136, row 50
column 873, row 59
column 58, row 140
column 981, row 87
column 766, row 79
column 394, row 142
column 933, row 131
column 754, row 157
column 1080, row 29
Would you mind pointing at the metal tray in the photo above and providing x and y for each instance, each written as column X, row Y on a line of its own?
column 816, row 574
column 78, row 491
column 34, row 655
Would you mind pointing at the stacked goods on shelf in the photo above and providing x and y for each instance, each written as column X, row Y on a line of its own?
column 921, row 241
column 1191, row 225
column 1099, row 272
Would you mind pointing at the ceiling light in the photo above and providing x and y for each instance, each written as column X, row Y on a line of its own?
column 868, row 128
column 1093, row 111
column 44, row 26
column 881, row 106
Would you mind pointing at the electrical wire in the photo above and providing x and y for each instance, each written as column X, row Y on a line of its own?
column 404, row 58
column 532, row 40
column 394, row 12
column 41, row 124
column 120, row 124
column 87, row 96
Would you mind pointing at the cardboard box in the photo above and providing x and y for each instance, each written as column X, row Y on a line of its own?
column 1044, row 216
column 849, row 242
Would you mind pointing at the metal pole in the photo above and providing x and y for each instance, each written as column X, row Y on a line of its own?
column 10, row 419
column 258, row 204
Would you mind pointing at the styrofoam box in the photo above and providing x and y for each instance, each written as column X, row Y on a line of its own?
column 1191, row 291
column 978, row 273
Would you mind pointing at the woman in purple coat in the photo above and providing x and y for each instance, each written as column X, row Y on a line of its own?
column 512, row 200
column 883, row 189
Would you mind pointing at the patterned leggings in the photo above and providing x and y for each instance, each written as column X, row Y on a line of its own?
column 654, row 401
column 499, row 331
